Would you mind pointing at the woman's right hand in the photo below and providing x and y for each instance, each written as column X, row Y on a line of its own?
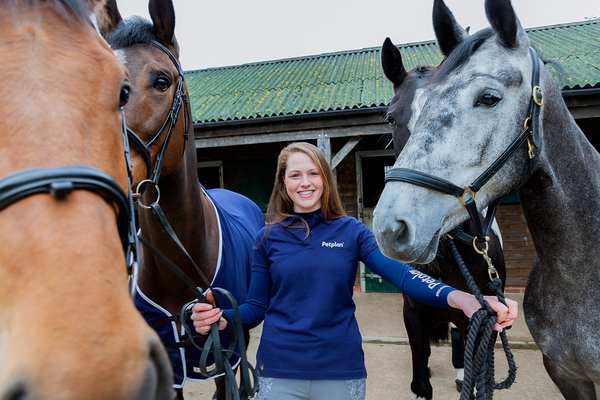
column 206, row 314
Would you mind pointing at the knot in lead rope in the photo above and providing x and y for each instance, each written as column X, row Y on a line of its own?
column 481, row 338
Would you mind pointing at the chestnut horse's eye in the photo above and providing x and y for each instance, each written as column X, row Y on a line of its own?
column 124, row 95
column 161, row 83
column 390, row 120
column 488, row 100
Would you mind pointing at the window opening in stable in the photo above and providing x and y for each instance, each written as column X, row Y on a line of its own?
column 210, row 174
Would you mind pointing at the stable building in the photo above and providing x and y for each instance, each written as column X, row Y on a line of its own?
column 245, row 114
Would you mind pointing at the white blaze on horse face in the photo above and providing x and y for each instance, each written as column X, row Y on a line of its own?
column 456, row 137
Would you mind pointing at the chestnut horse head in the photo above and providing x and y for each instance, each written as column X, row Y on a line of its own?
column 68, row 327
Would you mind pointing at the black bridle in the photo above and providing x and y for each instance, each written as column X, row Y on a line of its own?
column 211, row 343
column 180, row 98
column 63, row 180
column 466, row 194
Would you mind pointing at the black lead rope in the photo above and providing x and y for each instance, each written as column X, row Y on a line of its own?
column 481, row 338
column 212, row 345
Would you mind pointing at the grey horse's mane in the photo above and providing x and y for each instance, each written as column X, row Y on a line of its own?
column 131, row 31
column 462, row 53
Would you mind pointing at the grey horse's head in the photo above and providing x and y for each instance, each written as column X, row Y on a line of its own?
column 462, row 120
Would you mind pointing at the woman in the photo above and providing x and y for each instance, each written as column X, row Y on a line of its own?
column 303, row 273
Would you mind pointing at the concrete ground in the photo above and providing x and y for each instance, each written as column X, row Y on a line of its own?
column 389, row 363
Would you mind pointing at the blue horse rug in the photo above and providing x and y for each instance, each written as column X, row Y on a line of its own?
column 239, row 220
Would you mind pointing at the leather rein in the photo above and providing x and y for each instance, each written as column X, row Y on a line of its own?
column 466, row 194
column 63, row 180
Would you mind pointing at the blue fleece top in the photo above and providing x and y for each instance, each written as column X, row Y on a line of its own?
column 302, row 288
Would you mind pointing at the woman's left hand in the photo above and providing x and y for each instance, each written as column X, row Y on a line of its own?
column 469, row 304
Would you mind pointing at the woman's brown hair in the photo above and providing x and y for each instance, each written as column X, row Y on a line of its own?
column 281, row 206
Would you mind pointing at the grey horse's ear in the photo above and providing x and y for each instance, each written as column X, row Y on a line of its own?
column 503, row 20
column 448, row 32
column 162, row 13
column 391, row 62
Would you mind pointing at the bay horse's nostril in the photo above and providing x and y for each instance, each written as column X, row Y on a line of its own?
column 15, row 391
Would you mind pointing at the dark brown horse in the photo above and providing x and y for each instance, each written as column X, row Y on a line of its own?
column 426, row 324
column 216, row 227
column 68, row 326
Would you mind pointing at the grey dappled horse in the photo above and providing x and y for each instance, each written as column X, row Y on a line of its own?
column 463, row 120
column 424, row 323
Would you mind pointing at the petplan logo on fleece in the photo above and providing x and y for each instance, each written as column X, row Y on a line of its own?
column 332, row 244
column 428, row 280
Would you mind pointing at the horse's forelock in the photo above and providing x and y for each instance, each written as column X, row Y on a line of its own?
column 462, row 53
column 131, row 31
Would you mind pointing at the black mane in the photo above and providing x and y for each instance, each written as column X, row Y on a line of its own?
column 131, row 31
column 462, row 53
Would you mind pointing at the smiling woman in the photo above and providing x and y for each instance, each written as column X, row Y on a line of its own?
column 303, row 272
column 303, row 183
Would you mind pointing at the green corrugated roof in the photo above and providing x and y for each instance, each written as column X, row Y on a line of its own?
column 354, row 79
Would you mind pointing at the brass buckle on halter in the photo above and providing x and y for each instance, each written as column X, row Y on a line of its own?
column 530, row 146
column 491, row 269
column 467, row 190
column 534, row 94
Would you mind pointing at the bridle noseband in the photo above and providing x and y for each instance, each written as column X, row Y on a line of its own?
column 180, row 98
column 61, row 181
column 466, row 194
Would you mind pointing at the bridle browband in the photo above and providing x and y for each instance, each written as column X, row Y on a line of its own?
column 180, row 98
column 466, row 194
column 63, row 180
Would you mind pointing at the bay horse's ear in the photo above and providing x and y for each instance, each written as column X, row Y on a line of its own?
column 503, row 20
column 112, row 17
column 448, row 32
column 391, row 62
column 162, row 14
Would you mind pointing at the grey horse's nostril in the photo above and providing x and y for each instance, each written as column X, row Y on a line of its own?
column 401, row 234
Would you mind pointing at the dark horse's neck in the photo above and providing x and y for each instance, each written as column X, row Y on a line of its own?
column 561, row 200
column 192, row 217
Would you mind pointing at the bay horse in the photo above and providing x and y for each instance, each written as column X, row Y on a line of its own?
column 68, row 326
column 216, row 227
column 424, row 323
column 492, row 119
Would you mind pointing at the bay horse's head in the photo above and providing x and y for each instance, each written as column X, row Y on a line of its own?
column 158, row 115
column 463, row 119
column 68, row 327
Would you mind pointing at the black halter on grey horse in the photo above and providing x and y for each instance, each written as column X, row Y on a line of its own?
column 475, row 107
column 424, row 323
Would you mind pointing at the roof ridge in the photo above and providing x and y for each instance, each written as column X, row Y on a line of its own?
column 377, row 48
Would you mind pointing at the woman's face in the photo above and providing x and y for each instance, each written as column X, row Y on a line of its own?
column 303, row 183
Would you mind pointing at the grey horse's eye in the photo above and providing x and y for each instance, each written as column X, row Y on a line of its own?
column 488, row 100
column 390, row 120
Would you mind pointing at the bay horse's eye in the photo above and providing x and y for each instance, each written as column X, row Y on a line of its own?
column 124, row 95
column 162, row 83
column 390, row 120
column 488, row 100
